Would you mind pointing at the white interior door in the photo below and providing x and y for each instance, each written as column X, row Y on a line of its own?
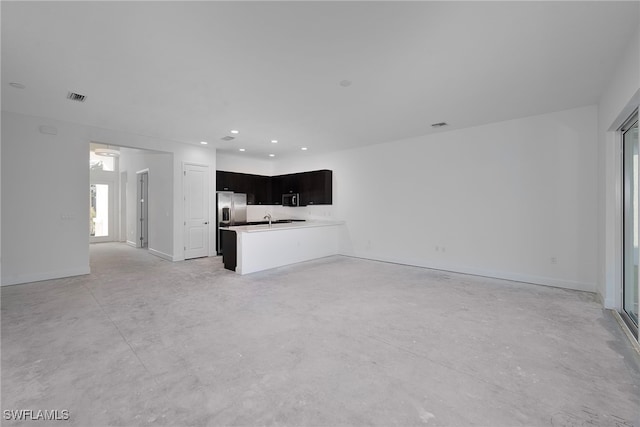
column 196, row 211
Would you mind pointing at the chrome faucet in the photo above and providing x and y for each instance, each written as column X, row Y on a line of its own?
column 268, row 216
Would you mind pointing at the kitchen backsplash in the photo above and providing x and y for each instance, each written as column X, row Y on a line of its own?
column 320, row 212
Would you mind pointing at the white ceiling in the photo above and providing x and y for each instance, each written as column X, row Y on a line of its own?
column 192, row 71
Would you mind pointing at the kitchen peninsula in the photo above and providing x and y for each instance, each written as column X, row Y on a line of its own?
column 251, row 248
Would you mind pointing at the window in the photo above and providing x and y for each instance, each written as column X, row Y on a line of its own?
column 101, row 163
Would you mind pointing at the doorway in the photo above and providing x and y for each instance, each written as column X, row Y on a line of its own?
column 103, row 193
column 631, row 227
column 143, row 209
column 100, row 212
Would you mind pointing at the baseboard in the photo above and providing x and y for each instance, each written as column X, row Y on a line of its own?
column 160, row 254
column 39, row 277
column 600, row 298
column 516, row 277
column 132, row 244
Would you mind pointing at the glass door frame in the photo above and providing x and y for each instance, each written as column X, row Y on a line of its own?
column 631, row 122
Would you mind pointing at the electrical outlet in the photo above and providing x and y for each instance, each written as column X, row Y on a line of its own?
column 554, row 260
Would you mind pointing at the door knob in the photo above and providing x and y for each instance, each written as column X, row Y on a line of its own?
column 206, row 223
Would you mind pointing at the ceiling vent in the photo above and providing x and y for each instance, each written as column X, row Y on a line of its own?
column 76, row 97
column 227, row 138
column 439, row 125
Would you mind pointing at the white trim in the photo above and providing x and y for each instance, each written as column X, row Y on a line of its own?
column 132, row 244
column 160, row 254
column 185, row 162
column 49, row 275
column 504, row 275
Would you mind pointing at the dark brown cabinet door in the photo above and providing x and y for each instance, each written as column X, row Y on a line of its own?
column 290, row 183
column 262, row 186
column 316, row 188
column 276, row 190
column 223, row 181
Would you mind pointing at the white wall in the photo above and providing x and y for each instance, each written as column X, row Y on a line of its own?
column 244, row 164
column 617, row 102
column 45, row 203
column 160, row 198
column 45, row 184
column 499, row 200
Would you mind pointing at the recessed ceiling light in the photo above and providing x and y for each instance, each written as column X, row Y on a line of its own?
column 345, row 83
column 304, row 148
column 274, row 141
column 203, row 142
column 241, row 149
column 234, row 131
column 272, row 155
column 17, row 85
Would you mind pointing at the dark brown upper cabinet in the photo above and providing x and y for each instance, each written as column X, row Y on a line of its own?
column 315, row 187
column 256, row 187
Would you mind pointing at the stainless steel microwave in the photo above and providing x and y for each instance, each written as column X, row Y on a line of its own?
column 291, row 199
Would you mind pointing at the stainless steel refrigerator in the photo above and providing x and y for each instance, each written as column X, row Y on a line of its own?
column 232, row 210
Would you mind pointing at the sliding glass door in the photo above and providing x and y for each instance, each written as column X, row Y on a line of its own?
column 631, row 231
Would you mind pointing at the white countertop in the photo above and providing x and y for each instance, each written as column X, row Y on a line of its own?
column 278, row 227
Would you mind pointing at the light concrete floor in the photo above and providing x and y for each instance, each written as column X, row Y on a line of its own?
column 333, row 342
